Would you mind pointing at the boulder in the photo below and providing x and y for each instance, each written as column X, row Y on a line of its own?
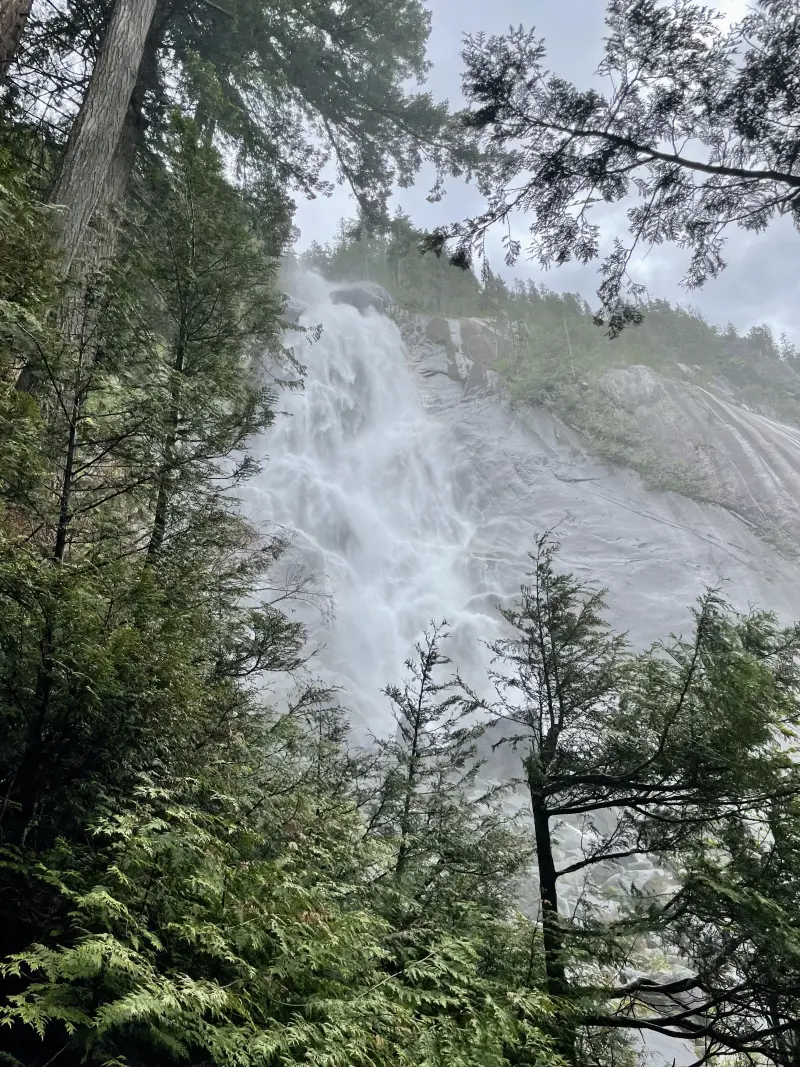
column 363, row 295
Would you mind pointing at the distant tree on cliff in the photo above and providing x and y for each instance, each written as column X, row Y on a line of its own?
column 673, row 755
column 700, row 122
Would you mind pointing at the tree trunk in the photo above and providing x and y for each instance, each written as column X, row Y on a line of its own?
column 552, row 932
column 13, row 18
column 96, row 132
column 68, row 480
column 159, row 531
column 405, row 821
column 548, row 895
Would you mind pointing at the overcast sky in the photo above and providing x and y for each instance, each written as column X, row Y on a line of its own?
column 762, row 280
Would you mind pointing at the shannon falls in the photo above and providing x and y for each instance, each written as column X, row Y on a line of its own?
column 413, row 490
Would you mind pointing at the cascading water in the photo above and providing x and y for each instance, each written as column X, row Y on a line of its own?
column 413, row 493
column 358, row 474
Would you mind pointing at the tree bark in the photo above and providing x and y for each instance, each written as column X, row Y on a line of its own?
column 159, row 532
column 552, row 932
column 96, row 132
column 548, row 895
column 13, row 19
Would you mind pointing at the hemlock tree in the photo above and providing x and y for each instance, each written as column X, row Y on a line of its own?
column 448, row 836
column 700, row 123
column 293, row 85
column 453, row 858
column 210, row 265
column 658, row 756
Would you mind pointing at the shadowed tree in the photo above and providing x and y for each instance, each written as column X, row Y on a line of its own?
column 661, row 755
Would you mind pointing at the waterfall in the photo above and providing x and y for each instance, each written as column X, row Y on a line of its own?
column 361, row 476
column 412, row 491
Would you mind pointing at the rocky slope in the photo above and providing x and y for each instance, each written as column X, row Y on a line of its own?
column 739, row 459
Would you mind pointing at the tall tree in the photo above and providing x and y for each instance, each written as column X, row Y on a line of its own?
column 13, row 17
column 340, row 93
column 286, row 108
column 98, row 126
column 700, row 123
column 209, row 260
column 656, row 756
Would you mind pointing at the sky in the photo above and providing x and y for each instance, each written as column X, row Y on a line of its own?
column 762, row 280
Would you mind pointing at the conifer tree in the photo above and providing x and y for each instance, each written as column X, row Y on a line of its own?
column 447, row 831
column 657, row 756
column 98, row 126
column 697, row 119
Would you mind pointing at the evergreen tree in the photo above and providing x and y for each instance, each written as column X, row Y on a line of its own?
column 659, row 755
column 286, row 110
column 450, row 842
column 677, row 77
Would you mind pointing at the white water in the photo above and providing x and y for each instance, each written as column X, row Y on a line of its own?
column 414, row 497
column 360, row 475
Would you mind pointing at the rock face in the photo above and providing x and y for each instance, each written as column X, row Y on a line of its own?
column 742, row 460
column 748, row 463
column 655, row 551
column 363, row 295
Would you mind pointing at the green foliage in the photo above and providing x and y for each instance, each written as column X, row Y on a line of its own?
column 197, row 870
column 28, row 285
column 679, row 755
column 206, row 930
column 455, row 856
column 284, row 109
column 419, row 283
column 188, row 874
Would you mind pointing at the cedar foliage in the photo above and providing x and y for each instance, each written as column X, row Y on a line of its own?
column 187, row 868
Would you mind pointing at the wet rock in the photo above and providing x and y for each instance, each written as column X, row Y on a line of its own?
column 294, row 310
column 716, row 449
column 439, row 331
column 363, row 295
column 746, row 462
